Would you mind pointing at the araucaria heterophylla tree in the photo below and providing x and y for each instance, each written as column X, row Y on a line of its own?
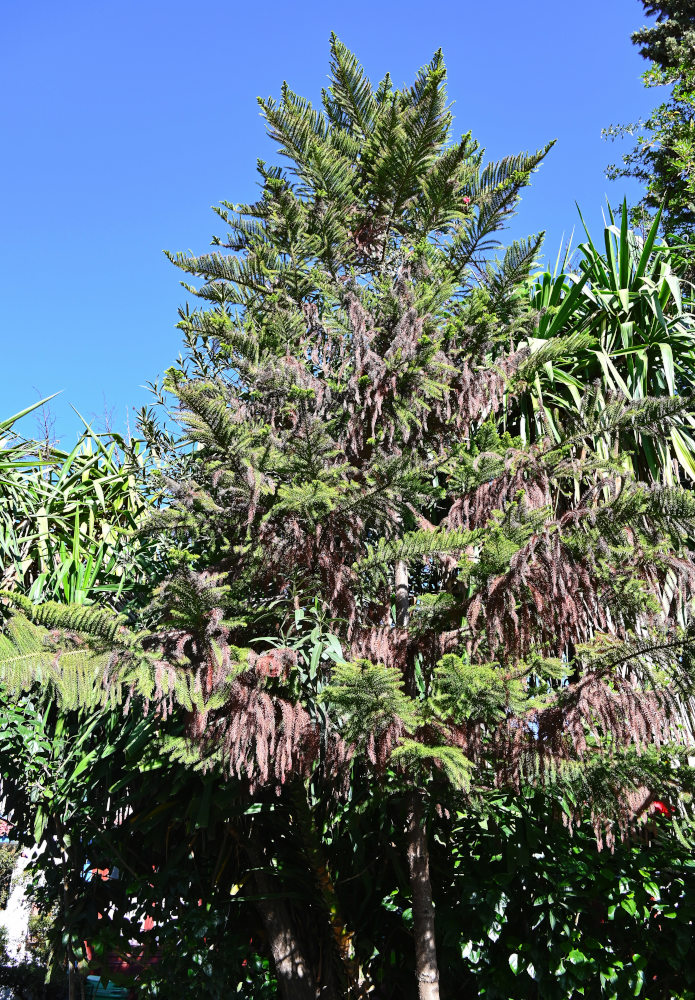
column 506, row 613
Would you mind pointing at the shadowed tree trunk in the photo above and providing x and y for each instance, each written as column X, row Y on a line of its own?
column 305, row 947
column 292, row 967
column 336, row 969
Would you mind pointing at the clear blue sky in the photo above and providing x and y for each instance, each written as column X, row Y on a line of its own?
column 123, row 121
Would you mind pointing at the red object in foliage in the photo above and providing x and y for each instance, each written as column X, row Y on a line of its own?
column 660, row 807
column 103, row 873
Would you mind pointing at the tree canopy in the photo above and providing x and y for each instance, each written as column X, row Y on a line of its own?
column 387, row 575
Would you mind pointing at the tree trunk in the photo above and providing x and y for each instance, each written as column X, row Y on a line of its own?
column 402, row 596
column 336, row 968
column 292, row 969
column 295, row 980
column 426, row 970
column 68, row 872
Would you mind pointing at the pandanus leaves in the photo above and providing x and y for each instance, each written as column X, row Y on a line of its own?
column 629, row 300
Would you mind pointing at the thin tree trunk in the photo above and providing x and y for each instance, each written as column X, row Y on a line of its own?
column 402, row 595
column 336, row 968
column 426, row 969
column 67, row 900
column 292, row 969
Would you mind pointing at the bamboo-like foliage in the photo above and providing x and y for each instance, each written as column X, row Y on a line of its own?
column 68, row 540
column 68, row 518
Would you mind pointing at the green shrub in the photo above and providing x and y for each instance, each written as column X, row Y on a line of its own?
column 8, row 858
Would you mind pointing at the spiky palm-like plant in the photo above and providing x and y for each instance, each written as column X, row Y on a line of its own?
column 628, row 298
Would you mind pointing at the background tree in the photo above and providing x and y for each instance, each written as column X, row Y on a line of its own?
column 671, row 41
column 312, row 429
column 664, row 156
column 370, row 174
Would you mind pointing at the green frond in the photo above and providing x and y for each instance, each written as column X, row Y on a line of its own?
column 612, row 412
column 30, row 658
column 366, row 698
column 92, row 621
column 186, row 601
column 661, row 660
column 513, row 271
column 226, row 277
column 429, row 121
column 476, row 692
column 416, row 545
column 310, row 501
column 602, row 785
column 332, row 176
column 495, row 193
column 542, row 354
column 418, row 757
column 349, row 102
column 430, row 612
column 506, row 533
column 671, row 504
column 207, row 414
column 294, row 125
column 512, row 171
column 217, row 325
